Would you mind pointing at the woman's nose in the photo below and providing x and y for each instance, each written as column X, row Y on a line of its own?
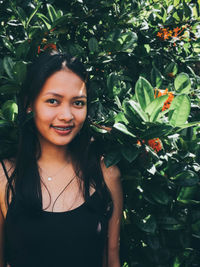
column 65, row 114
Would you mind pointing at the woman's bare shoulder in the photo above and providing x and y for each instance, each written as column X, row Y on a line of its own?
column 112, row 176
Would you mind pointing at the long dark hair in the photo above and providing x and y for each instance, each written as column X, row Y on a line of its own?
column 25, row 182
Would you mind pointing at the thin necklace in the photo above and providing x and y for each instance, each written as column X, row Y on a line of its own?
column 50, row 177
column 63, row 190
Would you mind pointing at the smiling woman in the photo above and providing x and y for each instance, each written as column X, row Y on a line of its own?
column 63, row 205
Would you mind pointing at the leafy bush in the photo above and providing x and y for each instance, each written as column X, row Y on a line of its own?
column 143, row 61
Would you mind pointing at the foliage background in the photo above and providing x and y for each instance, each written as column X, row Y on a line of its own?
column 143, row 61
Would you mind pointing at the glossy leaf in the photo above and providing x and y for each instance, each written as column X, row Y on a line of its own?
column 179, row 110
column 182, row 83
column 130, row 153
column 122, row 128
column 144, row 92
column 186, row 178
column 154, row 108
column 8, row 65
column 9, row 110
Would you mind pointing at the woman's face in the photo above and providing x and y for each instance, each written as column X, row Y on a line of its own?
column 60, row 108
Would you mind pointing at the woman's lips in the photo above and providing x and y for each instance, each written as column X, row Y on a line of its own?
column 62, row 130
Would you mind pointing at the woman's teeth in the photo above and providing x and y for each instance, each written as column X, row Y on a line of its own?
column 62, row 128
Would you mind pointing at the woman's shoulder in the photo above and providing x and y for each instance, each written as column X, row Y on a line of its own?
column 112, row 172
column 112, row 177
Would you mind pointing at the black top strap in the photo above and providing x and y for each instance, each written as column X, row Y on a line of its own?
column 5, row 170
column 7, row 176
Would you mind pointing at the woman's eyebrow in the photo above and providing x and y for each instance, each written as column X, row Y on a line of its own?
column 61, row 96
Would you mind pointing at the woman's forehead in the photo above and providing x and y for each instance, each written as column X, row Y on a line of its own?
column 64, row 82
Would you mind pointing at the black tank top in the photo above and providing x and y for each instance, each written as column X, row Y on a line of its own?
column 74, row 238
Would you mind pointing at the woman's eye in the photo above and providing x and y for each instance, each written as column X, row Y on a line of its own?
column 79, row 103
column 52, row 101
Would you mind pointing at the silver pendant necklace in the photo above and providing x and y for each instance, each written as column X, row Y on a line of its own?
column 50, row 177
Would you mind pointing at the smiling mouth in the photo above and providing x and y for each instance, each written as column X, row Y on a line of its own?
column 62, row 128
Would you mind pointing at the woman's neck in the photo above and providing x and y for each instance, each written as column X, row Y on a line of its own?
column 53, row 154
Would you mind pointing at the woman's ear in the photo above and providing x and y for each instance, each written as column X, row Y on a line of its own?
column 29, row 109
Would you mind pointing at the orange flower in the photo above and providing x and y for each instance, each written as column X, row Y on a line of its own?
column 50, row 46
column 39, row 50
column 165, row 33
column 168, row 102
column 155, row 144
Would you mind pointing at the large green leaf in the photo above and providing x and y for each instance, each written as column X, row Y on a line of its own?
column 132, row 105
column 187, row 193
column 154, row 108
column 122, row 128
column 19, row 72
column 186, row 178
column 8, row 65
column 130, row 153
column 179, row 110
column 132, row 116
column 144, row 92
column 182, row 83
column 156, row 131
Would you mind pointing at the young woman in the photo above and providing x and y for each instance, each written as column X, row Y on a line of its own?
column 59, row 204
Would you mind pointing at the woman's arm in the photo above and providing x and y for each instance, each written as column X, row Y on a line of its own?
column 112, row 180
column 1, row 239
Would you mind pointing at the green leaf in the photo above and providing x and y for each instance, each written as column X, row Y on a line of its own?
column 113, row 84
column 186, row 178
column 171, row 69
column 19, row 72
column 154, row 108
column 10, row 110
column 8, row 45
column 128, row 41
column 176, row 2
column 22, row 50
column 98, row 130
column 8, row 65
column 122, row 128
column 187, row 193
column 45, row 20
column 157, row 131
column 93, row 45
column 52, row 13
column 182, row 83
column 131, row 105
column 147, row 224
column 131, row 114
column 160, row 196
column 130, row 153
column 32, row 15
column 112, row 158
column 9, row 89
column 144, row 92
column 156, row 77
column 179, row 110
